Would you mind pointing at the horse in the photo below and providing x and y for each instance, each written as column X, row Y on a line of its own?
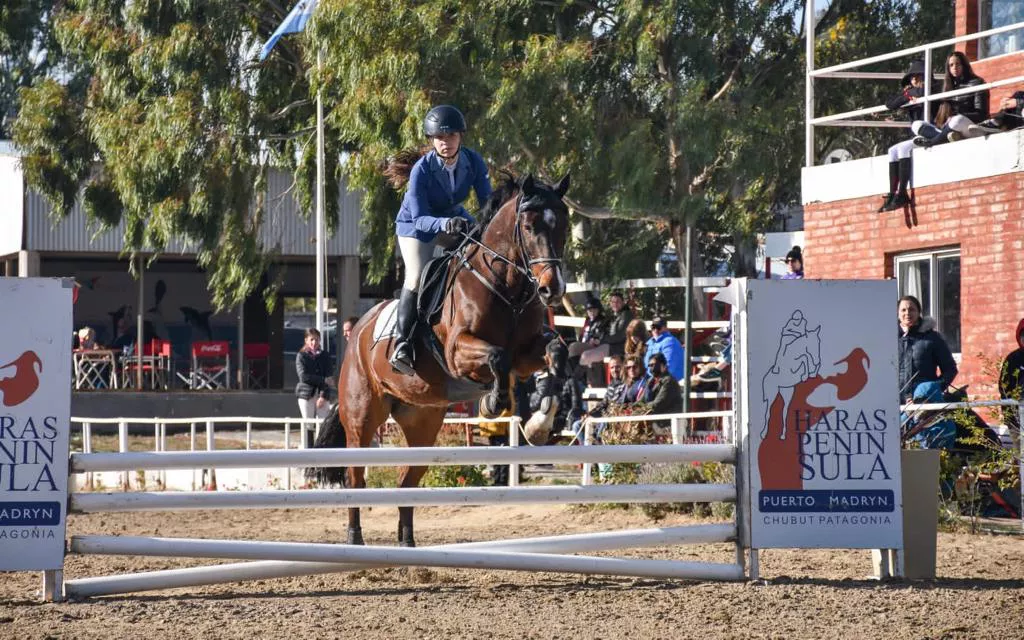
column 796, row 362
column 491, row 326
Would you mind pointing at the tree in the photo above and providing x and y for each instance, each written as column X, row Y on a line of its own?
column 27, row 52
column 173, row 127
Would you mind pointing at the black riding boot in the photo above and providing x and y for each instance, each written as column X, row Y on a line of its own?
column 894, row 182
column 403, row 358
column 902, row 198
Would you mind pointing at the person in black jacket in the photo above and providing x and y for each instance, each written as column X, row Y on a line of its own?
column 315, row 382
column 621, row 316
column 922, row 350
column 1009, row 117
column 906, row 102
column 1011, row 381
column 956, row 114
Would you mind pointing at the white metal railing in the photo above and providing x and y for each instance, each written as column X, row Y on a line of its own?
column 842, row 71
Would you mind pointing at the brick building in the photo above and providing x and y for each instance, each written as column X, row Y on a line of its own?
column 960, row 246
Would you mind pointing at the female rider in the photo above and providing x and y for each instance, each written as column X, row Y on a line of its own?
column 432, row 213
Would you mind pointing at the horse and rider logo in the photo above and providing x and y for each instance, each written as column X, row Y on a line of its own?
column 19, row 379
column 798, row 394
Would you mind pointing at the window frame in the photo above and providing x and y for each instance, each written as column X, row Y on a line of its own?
column 985, row 18
column 934, row 290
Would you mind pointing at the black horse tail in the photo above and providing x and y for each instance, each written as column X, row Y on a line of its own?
column 398, row 168
column 331, row 436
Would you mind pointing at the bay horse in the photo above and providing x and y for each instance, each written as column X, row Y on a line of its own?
column 491, row 326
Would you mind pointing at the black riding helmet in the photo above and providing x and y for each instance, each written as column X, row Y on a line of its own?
column 443, row 119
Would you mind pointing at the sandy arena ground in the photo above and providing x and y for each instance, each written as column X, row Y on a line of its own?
column 819, row 594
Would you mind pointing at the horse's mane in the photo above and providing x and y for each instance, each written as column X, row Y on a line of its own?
column 398, row 168
column 505, row 192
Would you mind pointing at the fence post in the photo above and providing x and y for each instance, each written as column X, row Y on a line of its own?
column 514, row 424
column 588, row 439
column 677, row 431
column 122, row 446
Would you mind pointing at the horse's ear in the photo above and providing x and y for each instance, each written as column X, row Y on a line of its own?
column 527, row 185
column 562, row 186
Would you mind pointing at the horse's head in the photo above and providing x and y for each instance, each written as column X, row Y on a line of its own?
column 542, row 224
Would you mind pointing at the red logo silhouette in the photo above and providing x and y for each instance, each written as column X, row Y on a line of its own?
column 23, row 384
column 778, row 458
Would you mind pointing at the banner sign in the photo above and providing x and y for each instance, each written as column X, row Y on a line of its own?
column 35, row 415
column 821, row 413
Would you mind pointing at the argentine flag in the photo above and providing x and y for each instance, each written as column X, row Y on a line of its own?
column 294, row 23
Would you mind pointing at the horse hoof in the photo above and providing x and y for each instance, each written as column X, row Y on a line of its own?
column 355, row 536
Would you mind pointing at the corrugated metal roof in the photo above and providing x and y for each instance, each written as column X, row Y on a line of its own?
column 283, row 226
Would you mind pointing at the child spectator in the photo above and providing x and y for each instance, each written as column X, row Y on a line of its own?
column 899, row 153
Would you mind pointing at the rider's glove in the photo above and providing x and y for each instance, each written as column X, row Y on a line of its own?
column 456, row 226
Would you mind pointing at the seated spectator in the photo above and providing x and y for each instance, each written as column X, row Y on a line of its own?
column 87, row 339
column 125, row 338
column 636, row 339
column 634, row 386
column 1009, row 117
column 899, row 154
column 712, row 371
column 662, row 341
column 595, row 333
column 959, row 113
column 612, row 395
column 663, row 394
column 617, row 325
column 794, row 264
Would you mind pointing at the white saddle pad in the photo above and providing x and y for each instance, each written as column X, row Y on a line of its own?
column 386, row 321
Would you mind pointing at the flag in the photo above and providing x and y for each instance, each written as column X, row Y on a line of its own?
column 293, row 23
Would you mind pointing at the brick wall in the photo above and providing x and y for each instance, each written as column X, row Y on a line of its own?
column 983, row 217
column 966, row 21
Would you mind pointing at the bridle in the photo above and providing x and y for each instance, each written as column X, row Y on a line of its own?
column 523, row 265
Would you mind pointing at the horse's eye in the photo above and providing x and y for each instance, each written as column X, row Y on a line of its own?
column 528, row 228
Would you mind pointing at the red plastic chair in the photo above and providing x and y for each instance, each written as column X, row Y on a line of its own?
column 257, row 365
column 211, row 365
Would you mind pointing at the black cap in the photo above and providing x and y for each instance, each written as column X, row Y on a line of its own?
column 443, row 119
column 795, row 253
column 593, row 303
column 658, row 322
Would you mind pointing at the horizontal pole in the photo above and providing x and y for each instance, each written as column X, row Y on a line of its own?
column 430, row 496
column 456, row 558
column 269, row 569
column 869, row 75
column 253, row 419
column 415, row 456
column 918, row 49
column 891, row 124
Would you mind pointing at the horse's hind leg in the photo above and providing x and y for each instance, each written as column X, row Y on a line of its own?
column 420, row 426
column 362, row 413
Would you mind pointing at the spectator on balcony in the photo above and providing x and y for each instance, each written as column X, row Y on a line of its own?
column 313, row 367
column 907, row 102
column 1009, row 117
column 794, row 264
column 125, row 337
column 621, row 317
column 636, row 339
column 922, row 350
column 662, row 341
column 956, row 114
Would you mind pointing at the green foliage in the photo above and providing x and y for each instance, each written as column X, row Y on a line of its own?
column 455, row 476
column 704, row 473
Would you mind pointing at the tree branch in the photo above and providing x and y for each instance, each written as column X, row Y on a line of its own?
column 604, row 213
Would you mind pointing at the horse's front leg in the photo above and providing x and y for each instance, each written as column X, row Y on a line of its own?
column 471, row 355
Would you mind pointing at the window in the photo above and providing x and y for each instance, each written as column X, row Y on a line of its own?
column 934, row 278
column 999, row 13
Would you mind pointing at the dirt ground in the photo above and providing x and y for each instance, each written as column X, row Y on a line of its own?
column 817, row 594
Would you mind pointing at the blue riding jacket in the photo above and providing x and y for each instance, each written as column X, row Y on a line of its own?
column 430, row 201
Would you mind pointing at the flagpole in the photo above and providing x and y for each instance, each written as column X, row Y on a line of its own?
column 320, row 258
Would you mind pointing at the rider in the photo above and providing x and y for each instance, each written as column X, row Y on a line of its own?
column 432, row 213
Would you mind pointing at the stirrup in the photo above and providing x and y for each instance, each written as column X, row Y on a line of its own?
column 401, row 359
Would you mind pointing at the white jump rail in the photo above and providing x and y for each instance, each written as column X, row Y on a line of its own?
column 269, row 569
column 511, row 555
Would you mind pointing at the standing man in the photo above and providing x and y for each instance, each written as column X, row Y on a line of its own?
column 1011, row 382
column 621, row 317
column 662, row 341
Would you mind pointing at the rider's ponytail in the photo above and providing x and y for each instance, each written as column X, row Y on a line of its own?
column 398, row 168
